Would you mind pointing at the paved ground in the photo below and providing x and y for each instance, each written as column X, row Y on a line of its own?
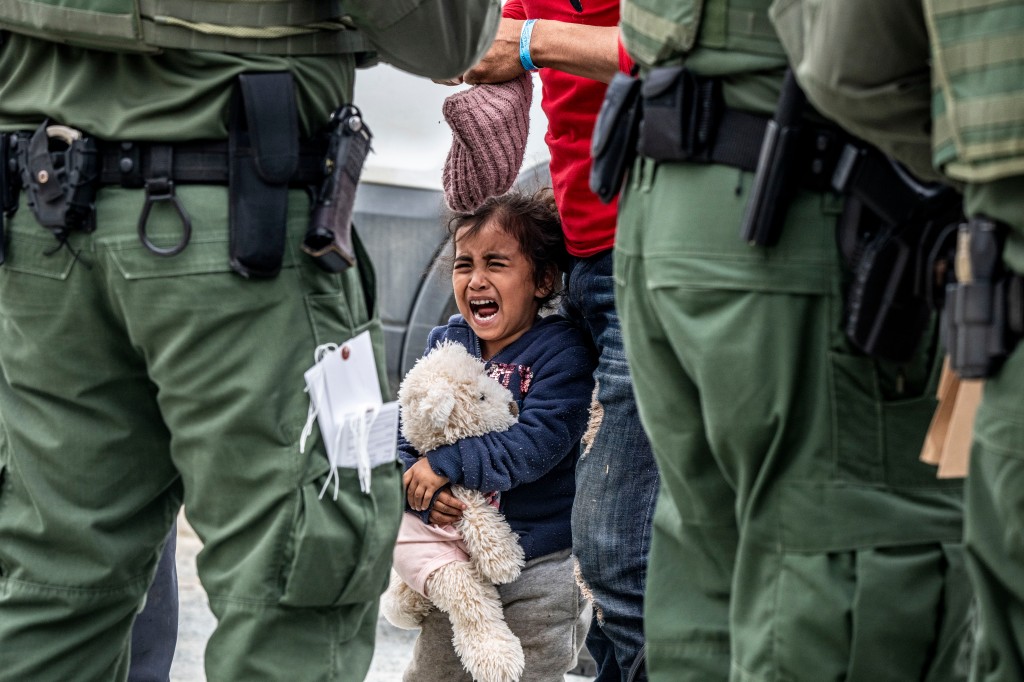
column 394, row 646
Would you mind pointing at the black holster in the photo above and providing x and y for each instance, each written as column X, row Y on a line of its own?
column 613, row 145
column 775, row 180
column 59, row 174
column 895, row 237
column 794, row 153
column 329, row 237
column 263, row 147
column 984, row 315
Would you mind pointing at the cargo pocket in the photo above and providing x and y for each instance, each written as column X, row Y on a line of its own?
column 344, row 305
column 878, row 440
column 832, row 614
column 37, row 253
column 340, row 550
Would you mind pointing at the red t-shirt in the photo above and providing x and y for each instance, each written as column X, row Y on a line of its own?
column 571, row 104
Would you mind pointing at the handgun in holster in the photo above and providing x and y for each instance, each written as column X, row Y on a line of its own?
column 893, row 238
column 982, row 320
column 329, row 237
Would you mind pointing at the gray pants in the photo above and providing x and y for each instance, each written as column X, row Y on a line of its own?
column 543, row 608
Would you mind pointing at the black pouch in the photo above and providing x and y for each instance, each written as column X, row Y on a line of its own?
column 984, row 304
column 680, row 113
column 264, row 151
column 329, row 238
column 59, row 174
column 613, row 146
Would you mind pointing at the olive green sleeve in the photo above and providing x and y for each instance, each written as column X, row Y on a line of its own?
column 432, row 38
column 865, row 65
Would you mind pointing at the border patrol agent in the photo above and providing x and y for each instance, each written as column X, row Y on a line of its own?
column 949, row 76
column 796, row 535
column 157, row 315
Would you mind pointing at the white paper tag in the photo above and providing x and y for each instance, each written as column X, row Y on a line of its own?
column 359, row 431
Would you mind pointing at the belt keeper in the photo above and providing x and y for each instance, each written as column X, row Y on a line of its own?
column 129, row 162
column 159, row 187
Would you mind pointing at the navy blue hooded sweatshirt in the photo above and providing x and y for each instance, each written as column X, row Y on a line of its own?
column 549, row 371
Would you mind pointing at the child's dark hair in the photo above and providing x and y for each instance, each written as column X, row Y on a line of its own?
column 532, row 219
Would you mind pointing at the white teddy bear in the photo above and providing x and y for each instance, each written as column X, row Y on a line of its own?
column 445, row 397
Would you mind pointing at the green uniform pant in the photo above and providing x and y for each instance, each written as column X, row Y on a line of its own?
column 995, row 525
column 994, row 520
column 796, row 536
column 133, row 383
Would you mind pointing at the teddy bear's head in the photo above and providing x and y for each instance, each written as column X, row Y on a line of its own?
column 447, row 396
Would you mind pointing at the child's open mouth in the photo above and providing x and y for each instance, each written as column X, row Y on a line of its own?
column 484, row 309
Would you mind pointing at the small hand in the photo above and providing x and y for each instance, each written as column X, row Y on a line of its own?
column 421, row 483
column 447, row 509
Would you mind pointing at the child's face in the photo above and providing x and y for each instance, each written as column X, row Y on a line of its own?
column 494, row 287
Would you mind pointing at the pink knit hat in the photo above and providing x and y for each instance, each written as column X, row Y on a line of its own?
column 489, row 126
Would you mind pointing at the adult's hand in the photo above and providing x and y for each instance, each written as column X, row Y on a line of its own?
column 501, row 62
column 587, row 51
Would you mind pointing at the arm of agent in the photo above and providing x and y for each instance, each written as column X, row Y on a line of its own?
column 421, row 483
column 587, row 51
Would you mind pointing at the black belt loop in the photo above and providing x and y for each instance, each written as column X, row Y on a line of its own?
column 160, row 187
column 129, row 165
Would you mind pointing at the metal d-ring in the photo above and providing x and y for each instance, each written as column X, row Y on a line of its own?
column 162, row 189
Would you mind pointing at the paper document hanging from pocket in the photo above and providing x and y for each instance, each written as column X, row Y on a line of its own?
column 358, row 429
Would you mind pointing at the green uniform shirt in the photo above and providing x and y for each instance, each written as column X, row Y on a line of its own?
column 176, row 95
column 735, row 41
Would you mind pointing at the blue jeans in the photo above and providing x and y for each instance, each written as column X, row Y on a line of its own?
column 616, row 480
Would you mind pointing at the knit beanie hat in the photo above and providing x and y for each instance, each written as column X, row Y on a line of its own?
column 489, row 125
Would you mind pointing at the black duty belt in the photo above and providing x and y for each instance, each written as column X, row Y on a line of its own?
column 125, row 163
column 59, row 169
column 128, row 164
column 737, row 140
column 685, row 119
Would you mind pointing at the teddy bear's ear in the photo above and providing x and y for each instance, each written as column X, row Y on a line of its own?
column 438, row 404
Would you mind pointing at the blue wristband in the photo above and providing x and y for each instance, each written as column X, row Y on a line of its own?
column 524, row 45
